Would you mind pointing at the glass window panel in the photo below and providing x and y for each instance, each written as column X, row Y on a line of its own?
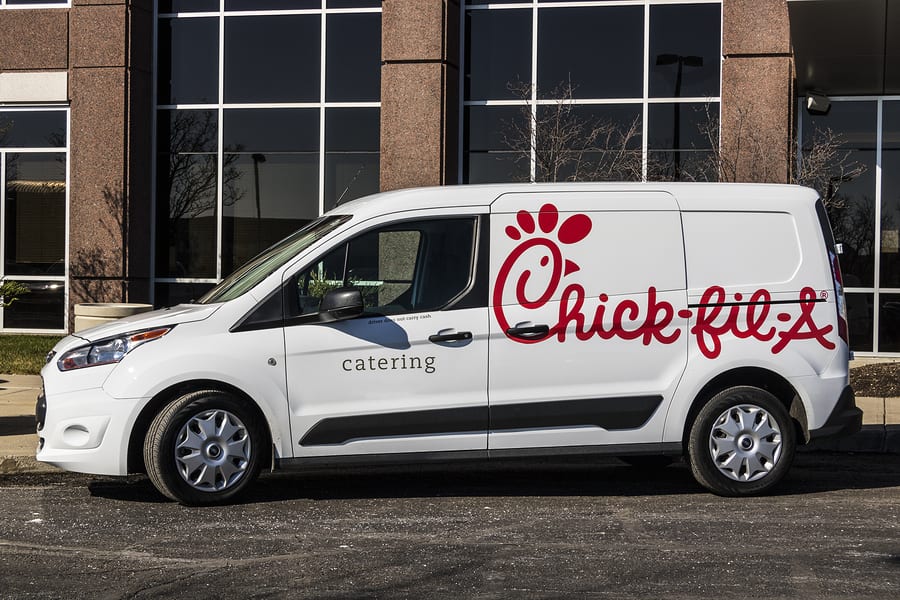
column 272, row 4
column 498, row 53
column 42, row 308
column 271, row 130
column 889, row 323
column 353, row 57
column 272, row 58
column 589, row 143
column 188, row 61
column 354, row 3
column 266, row 197
column 598, row 50
column 187, row 130
column 35, row 235
column 186, row 215
column 685, row 50
column 176, row 6
column 890, row 196
column 352, row 138
column 170, row 294
column 852, row 215
column 860, row 321
column 492, row 154
column 682, row 165
column 682, row 126
column 32, row 129
column 854, row 122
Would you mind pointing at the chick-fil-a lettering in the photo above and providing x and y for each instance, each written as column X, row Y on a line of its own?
column 716, row 316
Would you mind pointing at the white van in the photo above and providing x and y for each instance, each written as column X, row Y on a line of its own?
column 640, row 320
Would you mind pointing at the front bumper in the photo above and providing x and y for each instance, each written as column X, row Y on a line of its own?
column 86, row 431
column 845, row 418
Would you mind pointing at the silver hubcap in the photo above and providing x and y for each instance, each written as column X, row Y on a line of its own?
column 745, row 443
column 212, row 450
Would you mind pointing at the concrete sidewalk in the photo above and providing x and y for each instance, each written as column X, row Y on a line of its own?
column 18, row 440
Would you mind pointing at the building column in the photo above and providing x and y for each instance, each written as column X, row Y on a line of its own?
column 110, row 54
column 757, row 90
column 419, row 93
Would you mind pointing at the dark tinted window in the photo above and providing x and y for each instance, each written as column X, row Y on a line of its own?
column 599, row 50
column 684, row 50
column 353, row 57
column 176, row 6
column 272, row 58
column 271, row 130
column 490, row 157
column 890, row 196
column 32, row 129
column 188, row 60
column 271, row 4
column 499, row 52
column 352, row 137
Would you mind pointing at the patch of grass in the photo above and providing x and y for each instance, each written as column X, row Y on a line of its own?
column 25, row 354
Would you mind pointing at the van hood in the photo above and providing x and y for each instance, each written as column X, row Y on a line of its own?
column 183, row 313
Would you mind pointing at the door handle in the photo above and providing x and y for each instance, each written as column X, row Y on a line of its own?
column 450, row 337
column 529, row 332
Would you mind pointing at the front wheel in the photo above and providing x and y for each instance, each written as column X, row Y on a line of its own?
column 204, row 448
column 742, row 442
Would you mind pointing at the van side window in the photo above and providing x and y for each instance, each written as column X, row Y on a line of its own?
column 408, row 267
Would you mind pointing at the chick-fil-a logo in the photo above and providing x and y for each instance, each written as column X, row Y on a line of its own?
column 716, row 315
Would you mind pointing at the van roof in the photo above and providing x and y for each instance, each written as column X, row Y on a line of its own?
column 690, row 196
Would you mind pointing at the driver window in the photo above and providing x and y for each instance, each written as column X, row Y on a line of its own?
column 408, row 267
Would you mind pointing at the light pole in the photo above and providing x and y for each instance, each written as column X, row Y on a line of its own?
column 257, row 158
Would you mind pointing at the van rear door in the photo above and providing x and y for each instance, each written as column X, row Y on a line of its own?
column 588, row 332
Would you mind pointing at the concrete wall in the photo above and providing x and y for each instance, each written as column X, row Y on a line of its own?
column 757, row 90
column 419, row 93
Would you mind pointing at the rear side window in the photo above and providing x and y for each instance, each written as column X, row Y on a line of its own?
column 753, row 249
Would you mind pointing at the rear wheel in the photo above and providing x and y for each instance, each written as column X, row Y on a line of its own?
column 204, row 448
column 742, row 442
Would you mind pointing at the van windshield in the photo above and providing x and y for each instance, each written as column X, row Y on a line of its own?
column 268, row 261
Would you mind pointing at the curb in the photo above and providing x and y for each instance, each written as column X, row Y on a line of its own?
column 18, row 465
column 879, row 439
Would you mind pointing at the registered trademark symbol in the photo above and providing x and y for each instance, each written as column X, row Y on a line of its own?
column 823, row 294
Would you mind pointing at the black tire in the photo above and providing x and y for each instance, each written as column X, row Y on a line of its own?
column 222, row 447
column 648, row 461
column 742, row 442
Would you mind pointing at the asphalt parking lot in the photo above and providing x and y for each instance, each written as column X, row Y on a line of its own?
column 525, row 530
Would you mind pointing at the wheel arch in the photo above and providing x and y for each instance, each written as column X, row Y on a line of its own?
column 166, row 396
column 758, row 377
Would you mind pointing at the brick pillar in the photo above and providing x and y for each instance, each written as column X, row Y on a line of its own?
column 110, row 55
column 757, row 89
column 419, row 93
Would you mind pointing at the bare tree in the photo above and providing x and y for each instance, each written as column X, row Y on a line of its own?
column 569, row 147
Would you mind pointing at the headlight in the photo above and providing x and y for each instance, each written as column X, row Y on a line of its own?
column 108, row 351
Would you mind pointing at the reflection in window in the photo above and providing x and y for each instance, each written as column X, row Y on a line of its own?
column 32, row 129
column 276, row 167
column 35, row 233
column 684, row 50
column 187, row 184
column 489, row 158
column 42, row 308
column 591, row 54
column 852, row 207
column 352, row 137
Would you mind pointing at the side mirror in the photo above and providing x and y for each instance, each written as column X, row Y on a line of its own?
column 340, row 304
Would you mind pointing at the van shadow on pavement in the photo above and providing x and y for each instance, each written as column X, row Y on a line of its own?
column 812, row 473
